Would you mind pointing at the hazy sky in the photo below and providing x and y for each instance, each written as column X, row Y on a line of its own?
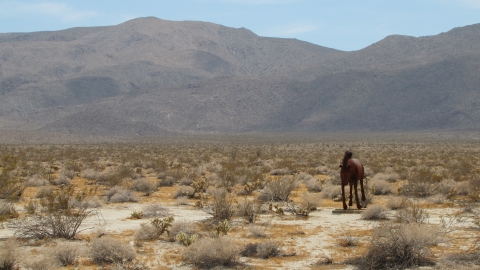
column 340, row 24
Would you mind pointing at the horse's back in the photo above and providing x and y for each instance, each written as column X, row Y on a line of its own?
column 357, row 167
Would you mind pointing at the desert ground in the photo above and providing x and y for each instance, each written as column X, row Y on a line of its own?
column 239, row 204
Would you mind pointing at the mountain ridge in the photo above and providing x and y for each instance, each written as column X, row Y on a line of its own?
column 152, row 76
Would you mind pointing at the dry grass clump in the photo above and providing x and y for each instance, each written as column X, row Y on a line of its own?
column 396, row 202
column 278, row 190
column 41, row 262
column 312, row 201
column 44, row 191
column 143, row 185
column 119, row 194
column 256, row 231
column 249, row 210
column 412, row 213
column 388, row 177
column 110, row 250
column 36, row 181
column 331, row 191
column 154, row 210
column 208, row 252
column 146, row 232
column 7, row 211
column 222, row 205
column 66, row 253
column 10, row 255
column 380, row 187
column 184, row 191
column 398, row 246
column 375, row 212
column 348, row 240
column 262, row 250
column 181, row 226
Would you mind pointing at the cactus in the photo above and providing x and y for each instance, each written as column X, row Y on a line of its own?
column 162, row 225
column 136, row 215
column 221, row 228
column 200, row 185
column 186, row 239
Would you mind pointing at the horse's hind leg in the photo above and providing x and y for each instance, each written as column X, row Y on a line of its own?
column 361, row 187
column 343, row 197
column 350, row 201
column 356, row 196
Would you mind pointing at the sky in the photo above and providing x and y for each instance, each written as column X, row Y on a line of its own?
column 340, row 24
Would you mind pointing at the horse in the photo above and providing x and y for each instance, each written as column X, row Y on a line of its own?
column 351, row 171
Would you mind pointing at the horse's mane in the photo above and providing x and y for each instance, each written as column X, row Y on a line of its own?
column 346, row 157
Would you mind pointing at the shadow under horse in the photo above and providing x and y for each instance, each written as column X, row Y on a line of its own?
column 351, row 171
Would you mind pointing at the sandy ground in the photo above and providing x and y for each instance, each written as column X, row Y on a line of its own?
column 308, row 238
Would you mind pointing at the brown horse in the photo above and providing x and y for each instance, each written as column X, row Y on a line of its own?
column 351, row 171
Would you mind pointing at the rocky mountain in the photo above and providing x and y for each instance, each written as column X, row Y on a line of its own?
column 150, row 77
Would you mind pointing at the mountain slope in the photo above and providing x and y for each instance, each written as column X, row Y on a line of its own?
column 148, row 76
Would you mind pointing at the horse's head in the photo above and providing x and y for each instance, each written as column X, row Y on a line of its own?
column 345, row 167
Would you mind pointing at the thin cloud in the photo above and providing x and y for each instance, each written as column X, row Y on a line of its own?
column 53, row 9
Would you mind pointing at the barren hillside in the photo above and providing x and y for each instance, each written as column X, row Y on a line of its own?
column 148, row 76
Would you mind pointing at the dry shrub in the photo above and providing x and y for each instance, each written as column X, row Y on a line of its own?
column 437, row 199
column 185, row 181
column 10, row 255
column 36, row 181
column 118, row 194
column 61, row 180
column 395, row 203
column 248, row 210
column 375, row 212
column 263, row 250
column 181, row 226
column 447, row 187
column 41, row 263
column 268, row 249
column 7, row 210
column 283, row 171
column 388, row 177
column 66, row 253
column 58, row 215
column 109, row 250
column 44, row 192
column 209, row 252
column 143, row 185
column 256, row 231
column 154, row 210
column 184, row 191
column 222, row 207
column 331, row 192
column 166, row 181
column 182, row 201
column 380, row 187
column 279, row 190
column 412, row 213
column 463, row 188
column 399, row 246
column 348, row 240
column 146, row 232
column 314, row 185
column 312, row 201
